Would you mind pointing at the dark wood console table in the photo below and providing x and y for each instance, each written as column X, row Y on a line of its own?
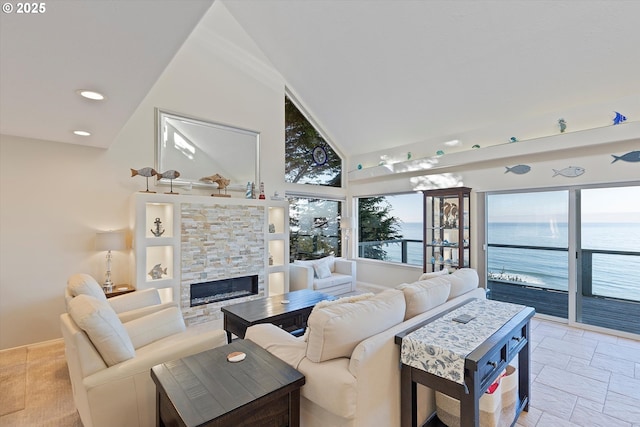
column 477, row 369
column 205, row 389
column 291, row 316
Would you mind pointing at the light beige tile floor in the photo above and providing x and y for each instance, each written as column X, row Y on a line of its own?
column 582, row 379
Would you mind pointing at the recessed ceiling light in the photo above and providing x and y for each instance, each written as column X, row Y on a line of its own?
column 82, row 132
column 90, row 94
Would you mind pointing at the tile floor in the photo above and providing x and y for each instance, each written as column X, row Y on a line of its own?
column 582, row 379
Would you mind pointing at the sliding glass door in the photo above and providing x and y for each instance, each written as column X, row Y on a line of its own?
column 573, row 254
column 608, row 293
column 527, row 249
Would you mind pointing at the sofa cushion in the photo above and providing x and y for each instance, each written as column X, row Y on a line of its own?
column 462, row 281
column 84, row 284
column 154, row 326
column 424, row 295
column 335, row 330
column 103, row 327
column 333, row 280
column 321, row 269
column 426, row 276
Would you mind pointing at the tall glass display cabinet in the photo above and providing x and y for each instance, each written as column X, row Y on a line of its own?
column 447, row 234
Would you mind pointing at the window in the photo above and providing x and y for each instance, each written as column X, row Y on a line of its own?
column 314, row 228
column 390, row 228
column 308, row 157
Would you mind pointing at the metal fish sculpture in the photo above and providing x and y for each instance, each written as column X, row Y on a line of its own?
column 170, row 174
column 148, row 172
column 631, row 156
column 570, row 172
column 157, row 271
column 519, row 169
column 619, row 118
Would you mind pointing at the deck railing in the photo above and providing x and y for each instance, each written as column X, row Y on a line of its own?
column 404, row 249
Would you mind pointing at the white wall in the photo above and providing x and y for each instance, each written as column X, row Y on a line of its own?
column 54, row 196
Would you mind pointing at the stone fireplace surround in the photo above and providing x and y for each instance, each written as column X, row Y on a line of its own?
column 219, row 241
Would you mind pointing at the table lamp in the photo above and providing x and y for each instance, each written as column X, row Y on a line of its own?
column 110, row 241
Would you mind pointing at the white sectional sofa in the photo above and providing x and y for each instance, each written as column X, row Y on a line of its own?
column 329, row 275
column 349, row 357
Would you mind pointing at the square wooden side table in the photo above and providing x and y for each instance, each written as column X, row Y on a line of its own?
column 205, row 389
column 120, row 290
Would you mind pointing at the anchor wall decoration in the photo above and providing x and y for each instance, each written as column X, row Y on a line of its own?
column 157, row 232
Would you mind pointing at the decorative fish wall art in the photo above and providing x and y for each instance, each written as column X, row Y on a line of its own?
column 518, row 170
column 570, row 172
column 631, row 156
column 146, row 172
column 619, row 118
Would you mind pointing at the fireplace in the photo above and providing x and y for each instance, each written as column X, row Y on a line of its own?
column 221, row 290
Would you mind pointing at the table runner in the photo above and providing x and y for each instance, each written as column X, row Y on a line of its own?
column 441, row 346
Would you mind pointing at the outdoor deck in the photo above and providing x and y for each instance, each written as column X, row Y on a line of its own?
column 597, row 311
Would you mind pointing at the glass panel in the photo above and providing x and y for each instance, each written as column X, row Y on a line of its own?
column 314, row 229
column 527, row 251
column 308, row 157
column 391, row 228
column 609, row 258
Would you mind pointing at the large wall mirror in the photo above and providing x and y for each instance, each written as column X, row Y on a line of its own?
column 198, row 148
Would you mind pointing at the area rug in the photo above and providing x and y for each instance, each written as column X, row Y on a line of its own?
column 13, row 379
column 44, row 397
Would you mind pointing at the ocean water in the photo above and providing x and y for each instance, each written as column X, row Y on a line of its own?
column 615, row 276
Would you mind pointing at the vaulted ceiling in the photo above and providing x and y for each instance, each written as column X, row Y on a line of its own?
column 374, row 73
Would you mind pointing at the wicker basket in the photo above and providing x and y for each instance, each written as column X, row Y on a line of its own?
column 448, row 409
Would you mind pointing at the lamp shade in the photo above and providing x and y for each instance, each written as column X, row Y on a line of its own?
column 346, row 223
column 111, row 241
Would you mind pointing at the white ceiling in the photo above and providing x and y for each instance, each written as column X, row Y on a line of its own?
column 373, row 74
column 119, row 48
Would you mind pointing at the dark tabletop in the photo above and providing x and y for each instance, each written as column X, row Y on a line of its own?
column 206, row 386
column 260, row 309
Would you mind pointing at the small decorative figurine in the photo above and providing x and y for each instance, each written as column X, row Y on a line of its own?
column 440, row 153
column 146, row 172
column 272, row 228
column 170, row 175
column 157, row 232
column 221, row 181
column 261, row 196
column 619, row 118
column 513, row 139
column 157, row 272
column 359, row 166
column 475, row 146
column 570, row 172
column 253, row 190
column 247, row 195
column 631, row 156
column 409, row 155
column 519, row 169
column 563, row 125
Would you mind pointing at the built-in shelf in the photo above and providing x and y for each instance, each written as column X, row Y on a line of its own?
column 564, row 141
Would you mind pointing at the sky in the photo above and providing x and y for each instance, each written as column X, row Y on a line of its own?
column 621, row 204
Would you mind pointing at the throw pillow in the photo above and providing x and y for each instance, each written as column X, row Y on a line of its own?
column 462, row 281
column 424, row 295
column 336, row 330
column 321, row 269
column 103, row 327
column 426, row 276
column 84, row 284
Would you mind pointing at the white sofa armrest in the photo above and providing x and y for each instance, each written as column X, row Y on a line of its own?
column 348, row 267
column 155, row 326
column 128, row 316
column 135, row 300
column 300, row 277
column 278, row 342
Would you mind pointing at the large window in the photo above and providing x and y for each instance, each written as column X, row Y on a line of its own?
column 562, row 257
column 308, row 157
column 314, row 228
column 390, row 228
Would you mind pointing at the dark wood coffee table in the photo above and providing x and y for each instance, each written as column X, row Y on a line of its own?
column 207, row 390
column 291, row 316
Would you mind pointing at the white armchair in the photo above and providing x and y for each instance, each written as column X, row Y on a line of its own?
column 109, row 361
column 128, row 306
column 330, row 275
